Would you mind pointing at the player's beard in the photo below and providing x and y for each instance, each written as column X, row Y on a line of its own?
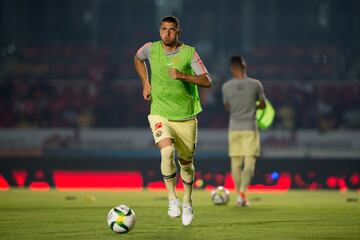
column 170, row 43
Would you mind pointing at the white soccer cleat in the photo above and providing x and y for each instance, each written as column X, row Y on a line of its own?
column 241, row 201
column 187, row 214
column 174, row 208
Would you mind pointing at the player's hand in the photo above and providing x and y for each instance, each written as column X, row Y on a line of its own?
column 175, row 74
column 146, row 92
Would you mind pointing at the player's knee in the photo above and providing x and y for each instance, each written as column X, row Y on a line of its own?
column 250, row 171
column 168, row 167
column 250, row 165
column 167, row 153
column 186, row 165
column 236, row 162
column 187, row 172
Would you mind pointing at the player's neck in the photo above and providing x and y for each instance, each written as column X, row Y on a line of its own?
column 240, row 75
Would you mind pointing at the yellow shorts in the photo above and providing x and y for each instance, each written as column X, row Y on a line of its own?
column 183, row 133
column 244, row 143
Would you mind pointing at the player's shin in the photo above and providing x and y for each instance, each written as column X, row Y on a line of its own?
column 187, row 174
column 236, row 171
column 248, row 172
column 168, row 170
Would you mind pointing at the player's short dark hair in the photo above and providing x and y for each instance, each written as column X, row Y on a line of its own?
column 238, row 61
column 172, row 19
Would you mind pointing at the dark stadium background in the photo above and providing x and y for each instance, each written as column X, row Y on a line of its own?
column 71, row 108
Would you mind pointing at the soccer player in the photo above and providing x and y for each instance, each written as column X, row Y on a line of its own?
column 176, row 72
column 240, row 95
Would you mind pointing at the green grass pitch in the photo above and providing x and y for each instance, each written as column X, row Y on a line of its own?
column 80, row 215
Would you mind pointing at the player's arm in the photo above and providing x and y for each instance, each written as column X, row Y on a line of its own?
column 225, row 99
column 261, row 95
column 201, row 78
column 261, row 104
column 140, row 67
column 227, row 106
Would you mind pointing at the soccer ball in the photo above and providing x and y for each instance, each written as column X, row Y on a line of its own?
column 121, row 219
column 220, row 196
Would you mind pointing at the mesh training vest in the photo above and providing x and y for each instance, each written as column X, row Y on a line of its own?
column 170, row 98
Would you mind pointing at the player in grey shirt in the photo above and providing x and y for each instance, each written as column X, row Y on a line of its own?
column 240, row 95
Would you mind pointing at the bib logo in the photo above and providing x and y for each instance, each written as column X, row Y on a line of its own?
column 175, row 61
column 158, row 125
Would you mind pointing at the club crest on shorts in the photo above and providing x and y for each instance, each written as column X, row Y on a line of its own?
column 158, row 125
column 158, row 133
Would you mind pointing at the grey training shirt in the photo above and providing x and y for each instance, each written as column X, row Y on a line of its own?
column 241, row 95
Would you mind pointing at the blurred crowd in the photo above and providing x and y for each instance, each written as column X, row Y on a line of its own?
column 30, row 102
column 70, row 63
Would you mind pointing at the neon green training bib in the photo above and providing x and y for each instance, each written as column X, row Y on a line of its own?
column 171, row 98
column 265, row 117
